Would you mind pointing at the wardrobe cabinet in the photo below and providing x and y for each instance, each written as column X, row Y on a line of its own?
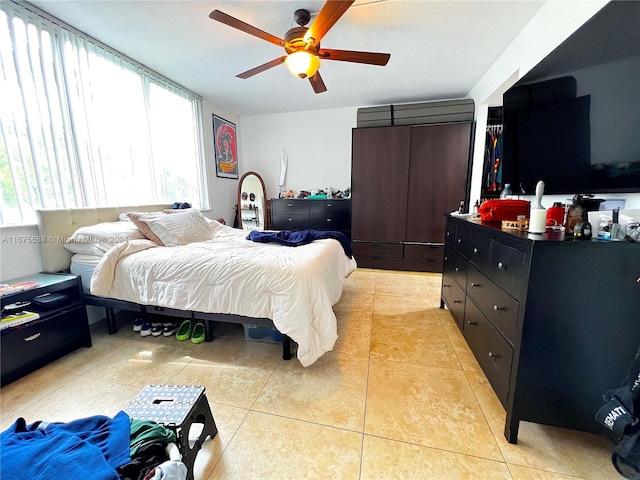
column 553, row 323
column 403, row 180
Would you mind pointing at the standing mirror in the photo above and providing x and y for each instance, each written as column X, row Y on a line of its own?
column 252, row 202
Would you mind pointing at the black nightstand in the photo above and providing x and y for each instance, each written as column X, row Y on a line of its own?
column 58, row 331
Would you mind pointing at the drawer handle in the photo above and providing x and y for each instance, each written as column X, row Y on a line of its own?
column 475, row 284
column 457, row 301
column 469, row 322
column 32, row 337
column 446, row 285
column 448, row 234
column 328, row 205
column 458, row 269
column 501, row 266
column 459, row 240
column 290, row 219
column 329, row 220
column 496, row 308
column 475, row 250
column 493, row 355
column 446, row 259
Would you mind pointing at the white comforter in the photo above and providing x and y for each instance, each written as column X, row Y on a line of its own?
column 295, row 287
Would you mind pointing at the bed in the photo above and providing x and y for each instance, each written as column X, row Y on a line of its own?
column 224, row 278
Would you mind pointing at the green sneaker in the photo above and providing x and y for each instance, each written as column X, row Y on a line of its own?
column 184, row 331
column 198, row 333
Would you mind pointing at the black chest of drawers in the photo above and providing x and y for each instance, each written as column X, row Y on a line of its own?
column 553, row 323
column 300, row 214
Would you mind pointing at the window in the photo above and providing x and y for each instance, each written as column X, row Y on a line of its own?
column 83, row 125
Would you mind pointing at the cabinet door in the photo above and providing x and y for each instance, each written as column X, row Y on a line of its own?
column 379, row 172
column 438, row 171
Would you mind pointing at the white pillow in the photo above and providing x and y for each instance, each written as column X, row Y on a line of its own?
column 97, row 239
column 84, row 249
column 174, row 229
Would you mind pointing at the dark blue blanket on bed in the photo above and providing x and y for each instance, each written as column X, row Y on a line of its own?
column 293, row 238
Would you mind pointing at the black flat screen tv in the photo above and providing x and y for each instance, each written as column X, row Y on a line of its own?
column 573, row 121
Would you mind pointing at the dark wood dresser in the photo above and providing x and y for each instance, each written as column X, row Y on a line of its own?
column 316, row 214
column 553, row 323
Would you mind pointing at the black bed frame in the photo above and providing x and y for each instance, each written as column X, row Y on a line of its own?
column 110, row 304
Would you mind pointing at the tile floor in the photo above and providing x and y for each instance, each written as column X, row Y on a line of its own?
column 400, row 396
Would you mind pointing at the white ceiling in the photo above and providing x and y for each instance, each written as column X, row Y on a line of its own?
column 439, row 49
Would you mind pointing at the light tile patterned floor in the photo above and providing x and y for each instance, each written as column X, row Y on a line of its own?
column 401, row 396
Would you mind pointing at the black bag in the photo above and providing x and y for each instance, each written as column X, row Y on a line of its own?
column 620, row 415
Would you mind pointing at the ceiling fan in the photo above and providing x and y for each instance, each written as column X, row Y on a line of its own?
column 302, row 44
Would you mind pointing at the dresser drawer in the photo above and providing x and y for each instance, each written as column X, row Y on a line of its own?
column 37, row 343
column 454, row 297
column 378, row 249
column 289, row 222
column 324, row 207
column 423, row 258
column 507, row 268
column 463, row 237
column 290, row 207
column 495, row 303
column 456, row 266
column 330, row 220
column 480, row 249
column 450, row 234
column 382, row 263
column 492, row 352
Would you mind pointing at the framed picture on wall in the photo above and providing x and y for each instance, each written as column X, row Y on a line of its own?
column 225, row 147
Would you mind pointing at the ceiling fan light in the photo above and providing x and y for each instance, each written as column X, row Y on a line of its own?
column 302, row 64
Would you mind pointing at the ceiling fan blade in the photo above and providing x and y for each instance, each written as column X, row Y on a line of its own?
column 327, row 17
column 317, row 84
column 245, row 27
column 261, row 68
column 353, row 56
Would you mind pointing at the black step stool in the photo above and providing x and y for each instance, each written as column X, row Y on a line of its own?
column 176, row 407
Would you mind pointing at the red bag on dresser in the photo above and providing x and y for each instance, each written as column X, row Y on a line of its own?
column 498, row 210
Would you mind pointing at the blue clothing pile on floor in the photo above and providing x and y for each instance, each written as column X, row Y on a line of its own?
column 96, row 448
column 293, row 238
column 87, row 448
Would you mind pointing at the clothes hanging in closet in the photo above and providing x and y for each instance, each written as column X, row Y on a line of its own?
column 492, row 169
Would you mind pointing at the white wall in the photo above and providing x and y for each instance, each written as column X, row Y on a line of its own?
column 19, row 251
column 317, row 143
